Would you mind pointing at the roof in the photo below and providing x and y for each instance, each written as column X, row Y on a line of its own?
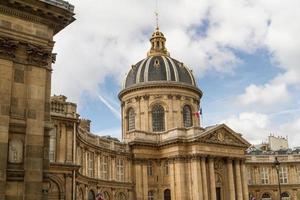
column 61, row 4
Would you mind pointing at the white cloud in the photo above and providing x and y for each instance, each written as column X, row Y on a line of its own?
column 264, row 95
column 253, row 126
column 292, row 130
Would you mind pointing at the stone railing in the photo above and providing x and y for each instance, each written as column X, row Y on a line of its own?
column 271, row 158
column 61, row 4
column 60, row 107
column 103, row 142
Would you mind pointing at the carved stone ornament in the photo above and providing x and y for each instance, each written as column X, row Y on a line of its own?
column 38, row 55
column 15, row 154
column 8, row 47
column 220, row 135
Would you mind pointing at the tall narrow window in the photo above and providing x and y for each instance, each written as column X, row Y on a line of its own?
column 104, row 167
column 264, row 174
column 131, row 119
column 167, row 194
column 151, row 195
column 283, row 175
column 120, row 169
column 158, row 118
column 249, row 176
column 90, row 164
column 187, row 116
column 150, row 168
column 52, row 145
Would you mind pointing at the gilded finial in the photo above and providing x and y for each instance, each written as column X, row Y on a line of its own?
column 156, row 15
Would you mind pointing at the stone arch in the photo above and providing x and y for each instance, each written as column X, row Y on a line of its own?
column 160, row 102
column 106, row 195
column 121, row 196
column 91, row 194
column 285, row 195
column 167, row 194
column 79, row 193
column 56, row 189
column 266, row 196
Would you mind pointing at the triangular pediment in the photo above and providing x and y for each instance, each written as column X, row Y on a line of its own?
column 222, row 134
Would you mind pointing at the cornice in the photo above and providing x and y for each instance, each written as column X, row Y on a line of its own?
column 159, row 84
column 38, row 12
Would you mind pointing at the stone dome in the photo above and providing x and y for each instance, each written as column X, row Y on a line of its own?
column 158, row 67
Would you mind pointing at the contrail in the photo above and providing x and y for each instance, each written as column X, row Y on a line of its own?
column 110, row 107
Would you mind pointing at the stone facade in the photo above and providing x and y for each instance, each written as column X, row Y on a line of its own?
column 26, row 40
column 263, row 178
column 48, row 152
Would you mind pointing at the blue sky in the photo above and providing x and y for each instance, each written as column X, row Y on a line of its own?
column 245, row 56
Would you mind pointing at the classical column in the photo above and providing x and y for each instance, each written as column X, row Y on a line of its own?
column 213, row 195
column 231, row 192
column 204, row 178
column 239, row 192
column 244, row 181
column 196, row 178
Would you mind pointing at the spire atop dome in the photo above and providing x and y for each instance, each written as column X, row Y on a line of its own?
column 157, row 39
column 158, row 42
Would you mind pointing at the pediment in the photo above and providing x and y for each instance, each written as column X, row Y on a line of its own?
column 222, row 134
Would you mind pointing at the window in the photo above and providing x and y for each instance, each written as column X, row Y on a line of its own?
column 104, row 167
column 266, row 196
column 52, row 145
column 91, row 195
column 90, row 164
column 167, row 194
column 151, row 195
column 187, row 116
column 120, row 169
column 264, row 175
column 131, row 119
column 285, row 196
column 79, row 158
column 166, row 168
column 283, row 175
column 158, row 118
column 150, row 168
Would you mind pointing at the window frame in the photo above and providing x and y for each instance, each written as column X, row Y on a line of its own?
column 187, row 116
column 264, row 176
column 283, row 175
column 158, row 118
column 130, row 119
column 120, row 169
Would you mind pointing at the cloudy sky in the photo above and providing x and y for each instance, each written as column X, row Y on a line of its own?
column 245, row 55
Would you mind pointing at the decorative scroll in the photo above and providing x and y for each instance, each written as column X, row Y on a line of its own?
column 38, row 55
column 8, row 47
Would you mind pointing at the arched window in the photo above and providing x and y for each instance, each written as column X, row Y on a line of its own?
column 266, row 196
column 91, row 195
column 158, row 118
column 131, row 119
column 285, row 196
column 167, row 194
column 151, row 195
column 187, row 116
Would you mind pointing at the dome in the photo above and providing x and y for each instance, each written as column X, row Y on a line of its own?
column 158, row 67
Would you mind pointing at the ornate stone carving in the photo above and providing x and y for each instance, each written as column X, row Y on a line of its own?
column 38, row 55
column 8, row 47
column 15, row 154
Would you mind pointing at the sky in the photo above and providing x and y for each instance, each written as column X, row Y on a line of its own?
column 245, row 55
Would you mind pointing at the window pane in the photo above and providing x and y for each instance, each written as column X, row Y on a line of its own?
column 131, row 119
column 158, row 118
column 187, row 116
